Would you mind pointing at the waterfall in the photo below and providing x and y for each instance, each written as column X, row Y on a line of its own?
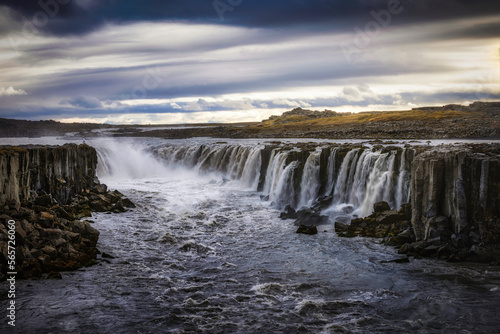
column 126, row 160
column 342, row 183
column 251, row 170
column 331, row 171
column 309, row 184
column 233, row 162
column 275, row 169
column 356, row 178
column 403, row 184
column 378, row 187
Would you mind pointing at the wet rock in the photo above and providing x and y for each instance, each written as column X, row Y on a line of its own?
column 51, row 188
column 99, row 206
column 54, row 275
column 20, row 234
column 307, row 229
column 127, row 203
column 342, row 230
column 388, row 217
column 309, row 217
column 445, row 251
column 400, row 260
column 322, row 203
column 100, row 188
column 381, row 206
column 107, row 256
column 117, row 208
column 288, row 213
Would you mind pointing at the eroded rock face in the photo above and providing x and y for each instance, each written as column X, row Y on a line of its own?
column 45, row 191
column 62, row 171
column 456, row 193
column 454, row 209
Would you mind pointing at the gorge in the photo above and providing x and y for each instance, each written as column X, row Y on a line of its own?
column 205, row 248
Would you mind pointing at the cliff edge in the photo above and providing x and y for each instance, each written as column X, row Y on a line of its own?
column 44, row 192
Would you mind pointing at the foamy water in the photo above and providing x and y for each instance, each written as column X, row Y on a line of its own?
column 204, row 254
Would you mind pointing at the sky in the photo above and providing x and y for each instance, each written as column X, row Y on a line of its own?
column 198, row 61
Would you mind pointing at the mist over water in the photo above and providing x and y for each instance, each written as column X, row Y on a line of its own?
column 203, row 253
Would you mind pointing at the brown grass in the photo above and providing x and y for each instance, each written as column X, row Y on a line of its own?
column 363, row 118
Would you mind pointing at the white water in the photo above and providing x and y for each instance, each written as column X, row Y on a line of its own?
column 365, row 176
column 202, row 253
column 309, row 185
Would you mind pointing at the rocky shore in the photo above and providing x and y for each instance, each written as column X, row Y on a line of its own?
column 48, row 191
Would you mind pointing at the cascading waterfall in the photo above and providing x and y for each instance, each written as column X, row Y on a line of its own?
column 127, row 161
column 355, row 178
column 309, row 185
column 251, row 170
column 342, row 183
column 332, row 172
column 278, row 182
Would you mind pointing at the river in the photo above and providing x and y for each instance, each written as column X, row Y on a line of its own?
column 204, row 253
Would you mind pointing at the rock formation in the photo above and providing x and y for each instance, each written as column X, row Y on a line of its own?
column 456, row 200
column 454, row 208
column 45, row 190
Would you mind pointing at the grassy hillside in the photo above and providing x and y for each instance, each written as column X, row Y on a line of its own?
column 367, row 117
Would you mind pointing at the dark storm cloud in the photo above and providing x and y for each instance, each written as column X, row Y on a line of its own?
column 80, row 17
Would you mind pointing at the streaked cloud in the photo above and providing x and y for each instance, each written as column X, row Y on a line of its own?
column 178, row 58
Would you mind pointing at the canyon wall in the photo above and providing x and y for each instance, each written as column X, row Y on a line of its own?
column 62, row 171
column 46, row 190
column 455, row 195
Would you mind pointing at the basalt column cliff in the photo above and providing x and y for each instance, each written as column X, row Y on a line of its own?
column 46, row 190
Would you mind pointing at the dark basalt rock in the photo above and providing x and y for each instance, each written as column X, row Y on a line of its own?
column 390, row 225
column 310, row 217
column 307, row 229
column 48, row 203
column 381, row 206
column 288, row 213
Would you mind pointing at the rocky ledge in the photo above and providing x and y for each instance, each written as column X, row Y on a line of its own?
column 454, row 212
column 47, row 191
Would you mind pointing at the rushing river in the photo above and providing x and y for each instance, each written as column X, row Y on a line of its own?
column 202, row 253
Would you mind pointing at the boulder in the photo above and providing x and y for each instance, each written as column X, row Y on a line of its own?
column 307, row 229
column 309, row 217
column 288, row 213
column 388, row 217
column 381, row 206
column 54, row 275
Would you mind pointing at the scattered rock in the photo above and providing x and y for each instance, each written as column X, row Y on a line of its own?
column 54, row 275
column 288, row 213
column 49, row 238
column 309, row 217
column 401, row 260
column 44, row 200
column 107, row 256
column 307, row 229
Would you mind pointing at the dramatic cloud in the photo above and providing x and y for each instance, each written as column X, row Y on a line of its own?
column 103, row 60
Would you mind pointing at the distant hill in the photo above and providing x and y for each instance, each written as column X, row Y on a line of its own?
column 477, row 120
